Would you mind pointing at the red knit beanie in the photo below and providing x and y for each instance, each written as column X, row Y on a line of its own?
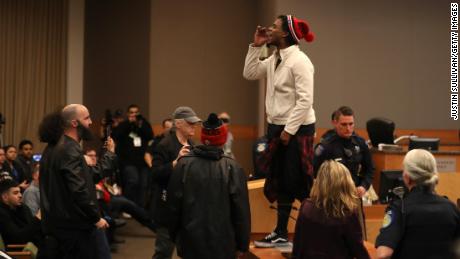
column 213, row 132
column 299, row 29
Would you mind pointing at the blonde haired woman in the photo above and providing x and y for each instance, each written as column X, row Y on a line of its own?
column 328, row 224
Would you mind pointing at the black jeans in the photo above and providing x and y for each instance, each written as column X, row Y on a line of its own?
column 121, row 204
column 103, row 248
column 286, row 167
column 76, row 244
column 135, row 181
column 164, row 246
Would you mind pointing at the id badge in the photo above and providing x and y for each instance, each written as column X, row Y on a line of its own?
column 137, row 141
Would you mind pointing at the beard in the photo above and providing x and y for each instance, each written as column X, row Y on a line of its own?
column 84, row 133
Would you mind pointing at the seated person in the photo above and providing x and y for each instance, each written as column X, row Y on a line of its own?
column 25, row 158
column 328, row 223
column 14, row 168
column 17, row 224
column 113, row 203
column 31, row 196
column 422, row 224
column 3, row 167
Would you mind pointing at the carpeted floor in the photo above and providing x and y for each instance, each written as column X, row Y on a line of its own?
column 139, row 242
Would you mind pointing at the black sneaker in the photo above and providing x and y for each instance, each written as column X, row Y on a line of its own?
column 272, row 240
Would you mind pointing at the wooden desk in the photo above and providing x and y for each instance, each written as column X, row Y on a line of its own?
column 442, row 146
column 445, row 135
column 392, row 160
column 263, row 218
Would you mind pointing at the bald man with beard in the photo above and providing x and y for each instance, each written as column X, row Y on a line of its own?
column 68, row 198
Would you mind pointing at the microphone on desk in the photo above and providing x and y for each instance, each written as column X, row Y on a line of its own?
column 399, row 191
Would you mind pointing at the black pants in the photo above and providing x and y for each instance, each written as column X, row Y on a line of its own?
column 287, row 168
column 164, row 246
column 76, row 244
column 284, row 211
column 135, row 181
column 122, row 204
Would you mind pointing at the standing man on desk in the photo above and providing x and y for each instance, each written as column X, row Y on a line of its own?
column 346, row 147
column 290, row 115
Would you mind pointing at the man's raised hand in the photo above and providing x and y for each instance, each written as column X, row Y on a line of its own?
column 260, row 36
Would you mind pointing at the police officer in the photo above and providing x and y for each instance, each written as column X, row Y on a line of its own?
column 422, row 224
column 344, row 146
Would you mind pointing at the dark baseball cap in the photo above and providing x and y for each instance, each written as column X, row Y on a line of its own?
column 186, row 113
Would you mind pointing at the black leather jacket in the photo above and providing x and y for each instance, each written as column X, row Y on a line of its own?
column 163, row 156
column 209, row 205
column 67, row 191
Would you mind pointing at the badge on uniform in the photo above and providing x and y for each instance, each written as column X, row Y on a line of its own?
column 319, row 149
column 137, row 141
column 387, row 219
column 261, row 147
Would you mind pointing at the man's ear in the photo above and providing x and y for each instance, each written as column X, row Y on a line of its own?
column 74, row 123
column 4, row 197
column 285, row 34
column 335, row 123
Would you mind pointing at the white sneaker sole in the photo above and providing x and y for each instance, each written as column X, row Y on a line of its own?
column 260, row 244
column 282, row 244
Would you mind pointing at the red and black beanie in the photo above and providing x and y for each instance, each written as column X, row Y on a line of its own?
column 214, row 131
column 299, row 29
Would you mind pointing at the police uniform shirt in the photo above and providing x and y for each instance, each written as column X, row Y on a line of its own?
column 353, row 152
column 423, row 225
